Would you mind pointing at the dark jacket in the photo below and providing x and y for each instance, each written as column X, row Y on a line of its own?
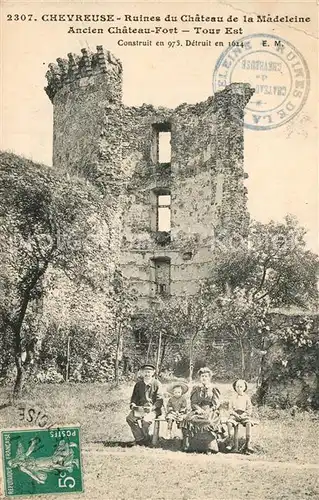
column 151, row 393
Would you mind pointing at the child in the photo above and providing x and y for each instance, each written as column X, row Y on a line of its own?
column 176, row 405
column 240, row 410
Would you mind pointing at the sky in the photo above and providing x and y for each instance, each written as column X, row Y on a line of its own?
column 282, row 163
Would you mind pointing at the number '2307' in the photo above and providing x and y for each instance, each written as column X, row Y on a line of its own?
column 19, row 17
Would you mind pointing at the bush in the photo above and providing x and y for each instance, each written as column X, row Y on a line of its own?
column 290, row 371
column 91, row 356
column 222, row 359
column 50, row 376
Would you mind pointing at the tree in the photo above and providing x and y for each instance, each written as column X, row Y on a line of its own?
column 173, row 324
column 49, row 221
column 78, row 319
column 123, row 301
column 237, row 318
column 273, row 269
column 292, row 361
column 274, row 264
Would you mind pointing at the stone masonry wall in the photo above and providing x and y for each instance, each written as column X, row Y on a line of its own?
column 113, row 146
column 205, row 147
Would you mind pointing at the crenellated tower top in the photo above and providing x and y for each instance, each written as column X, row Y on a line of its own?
column 90, row 64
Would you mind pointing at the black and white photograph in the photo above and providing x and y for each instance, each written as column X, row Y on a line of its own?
column 159, row 250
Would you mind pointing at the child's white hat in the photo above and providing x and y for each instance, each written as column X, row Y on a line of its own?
column 177, row 383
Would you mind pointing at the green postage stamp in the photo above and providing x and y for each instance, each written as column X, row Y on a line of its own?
column 41, row 461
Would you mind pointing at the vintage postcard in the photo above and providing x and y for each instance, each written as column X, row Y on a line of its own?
column 159, row 250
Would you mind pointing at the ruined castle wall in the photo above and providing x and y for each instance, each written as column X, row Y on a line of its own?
column 86, row 93
column 205, row 179
column 189, row 179
column 78, row 123
column 145, row 177
column 193, row 160
column 113, row 146
column 84, row 90
column 138, row 244
column 231, row 215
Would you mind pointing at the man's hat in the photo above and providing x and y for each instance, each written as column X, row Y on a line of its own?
column 177, row 383
column 147, row 365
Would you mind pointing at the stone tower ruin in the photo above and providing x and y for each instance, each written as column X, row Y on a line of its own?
column 180, row 202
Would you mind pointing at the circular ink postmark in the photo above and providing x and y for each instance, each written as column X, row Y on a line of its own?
column 275, row 69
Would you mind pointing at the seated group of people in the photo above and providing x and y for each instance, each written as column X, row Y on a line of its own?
column 199, row 419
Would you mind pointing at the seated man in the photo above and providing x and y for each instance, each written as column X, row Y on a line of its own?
column 146, row 405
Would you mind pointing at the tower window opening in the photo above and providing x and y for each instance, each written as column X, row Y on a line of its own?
column 161, row 147
column 164, row 147
column 164, row 212
column 161, row 275
column 161, row 288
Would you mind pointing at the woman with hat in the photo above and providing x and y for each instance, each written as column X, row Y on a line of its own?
column 201, row 426
column 176, row 405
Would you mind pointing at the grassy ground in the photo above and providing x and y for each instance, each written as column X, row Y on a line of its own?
column 285, row 465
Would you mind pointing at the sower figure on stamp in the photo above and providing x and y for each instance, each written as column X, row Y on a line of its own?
column 240, row 410
column 146, row 405
column 38, row 468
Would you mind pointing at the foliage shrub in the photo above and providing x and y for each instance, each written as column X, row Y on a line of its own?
column 291, row 367
column 91, row 356
column 223, row 359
